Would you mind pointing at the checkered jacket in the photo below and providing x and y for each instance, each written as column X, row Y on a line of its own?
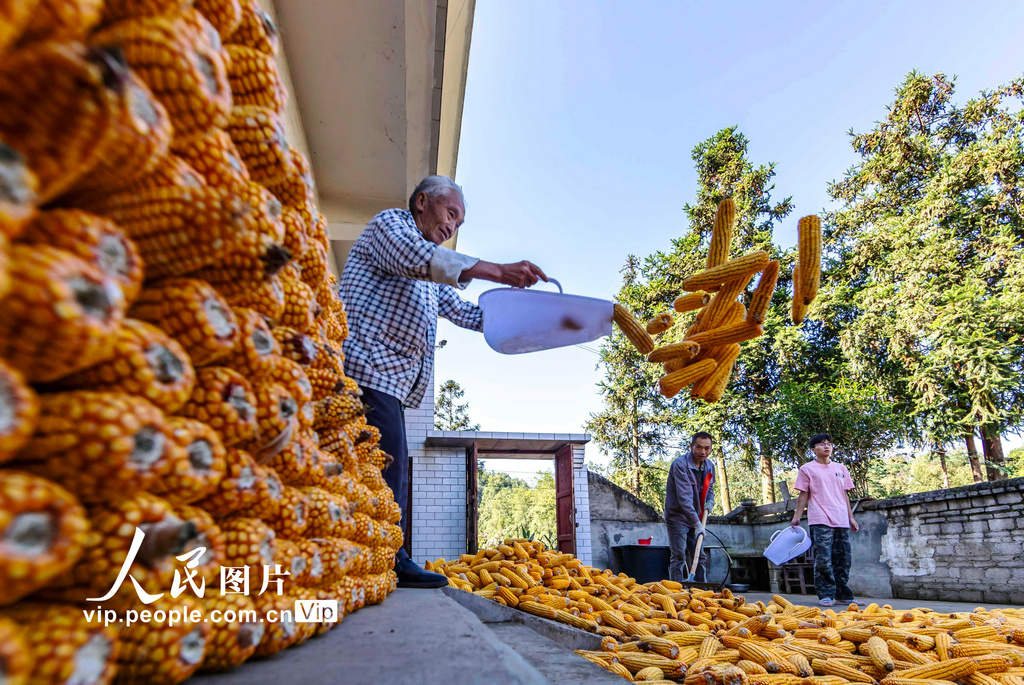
column 394, row 286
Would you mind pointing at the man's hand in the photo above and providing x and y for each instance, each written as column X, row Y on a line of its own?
column 698, row 530
column 518, row 275
column 796, row 521
column 521, row 274
column 854, row 526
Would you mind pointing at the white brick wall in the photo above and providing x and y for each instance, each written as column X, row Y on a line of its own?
column 582, row 497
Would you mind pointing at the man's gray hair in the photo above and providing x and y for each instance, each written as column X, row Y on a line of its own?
column 433, row 186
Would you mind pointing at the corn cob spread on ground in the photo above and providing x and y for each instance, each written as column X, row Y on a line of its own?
column 705, row 354
column 145, row 169
column 660, row 632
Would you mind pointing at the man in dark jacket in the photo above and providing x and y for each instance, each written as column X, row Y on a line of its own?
column 689, row 492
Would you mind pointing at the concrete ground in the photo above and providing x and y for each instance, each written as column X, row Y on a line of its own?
column 421, row 637
column 901, row 604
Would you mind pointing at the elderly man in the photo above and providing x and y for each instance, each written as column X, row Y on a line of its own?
column 397, row 280
column 689, row 493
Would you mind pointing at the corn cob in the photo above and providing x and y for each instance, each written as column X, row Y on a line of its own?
column 223, row 399
column 98, row 445
column 119, row 10
column 296, row 463
column 60, row 315
column 682, row 351
column 721, row 233
column 751, row 667
column 269, row 495
column 17, row 202
column 799, row 309
column 878, row 650
column 44, row 529
column 324, row 382
column 340, row 558
column 54, row 643
column 721, row 309
column 295, row 240
column 255, row 347
column 145, row 362
column 953, row 669
column 254, row 79
column 762, row 295
column 196, row 467
column 188, row 76
column 660, row 323
column 943, row 643
column 237, row 490
column 256, row 30
column 290, row 519
column 990, row 664
column 209, row 536
column 296, row 190
column 248, row 543
column 214, row 156
column 313, row 265
column 158, row 652
column 259, row 136
column 671, row 384
column 336, row 409
column 194, row 314
column 182, row 229
column 114, row 527
column 809, row 239
column 735, row 269
column 289, row 374
column 14, row 18
column 691, row 301
column 60, row 103
column 19, row 409
column 229, row 644
column 726, row 335
column 277, row 420
column 301, row 306
column 328, row 513
column 267, row 300
column 93, row 239
column 901, row 651
column 631, row 328
column 636, row 661
column 224, row 15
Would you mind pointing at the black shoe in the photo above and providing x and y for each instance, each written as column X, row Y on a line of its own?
column 412, row 576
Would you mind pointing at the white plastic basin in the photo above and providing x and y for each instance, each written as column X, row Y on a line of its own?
column 517, row 320
column 787, row 544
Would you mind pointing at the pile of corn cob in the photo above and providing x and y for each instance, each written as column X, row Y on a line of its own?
column 705, row 356
column 660, row 633
column 170, row 347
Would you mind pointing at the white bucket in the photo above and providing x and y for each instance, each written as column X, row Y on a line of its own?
column 518, row 320
column 787, row 544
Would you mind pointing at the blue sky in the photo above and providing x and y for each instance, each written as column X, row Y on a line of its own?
column 580, row 119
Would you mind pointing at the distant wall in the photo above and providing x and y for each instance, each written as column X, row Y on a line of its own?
column 619, row 518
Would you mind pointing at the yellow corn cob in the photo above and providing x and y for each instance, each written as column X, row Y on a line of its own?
column 830, row 636
column 276, row 418
column 14, row 18
column 256, row 30
column 809, row 237
column 631, row 328
column 1018, row 636
column 328, row 513
column 208, row 535
column 259, row 136
column 734, row 269
column 20, row 407
column 213, row 155
column 301, row 306
column 237, row 490
column 734, row 333
column 721, row 233
column 721, row 308
column 290, row 519
column 113, row 529
column 670, row 385
column 751, row 667
column 682, row 351
column 943, row 643
column 650, row 673
column 145, row 362
column 254, row 79
column 313, row 264
column 975, row 633
column 60, row 315
column 619, row 670
column 223, row 399
column 256, row 345
column 901, row 651
column 660, row 323
column 17, row 204
column 636, row 661
column 230, row 643
column 224, row 15
column 59, row 103
column 878, row 650
column 196, row 466
column 803, row 666
column 295, row 240
column 194, row 314
column 990, row 664
column 158, row 652
column 267, row 300
column 761, row 298
column 171, row 172
column 44, row 529
column 119, row 10
column 691, row 301
column 952, row 669
column 188, row 76
column 52, row 643
column 182, row 229
column 799, row 309
column 971, row 649
column 93, row 239
column 98, row 445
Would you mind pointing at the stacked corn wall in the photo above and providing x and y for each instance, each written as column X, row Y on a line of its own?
column 661, row 632
column 170, row 349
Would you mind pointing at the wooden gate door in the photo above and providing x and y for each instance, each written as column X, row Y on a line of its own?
column 565, row 501
column 472, row 501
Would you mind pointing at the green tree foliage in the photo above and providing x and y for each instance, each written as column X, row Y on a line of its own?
column 927, row 252
column 508, row 507
column 448, row 414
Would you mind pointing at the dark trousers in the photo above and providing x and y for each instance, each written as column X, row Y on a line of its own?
column 388, row 415
column 682, row 543
column 832, row 557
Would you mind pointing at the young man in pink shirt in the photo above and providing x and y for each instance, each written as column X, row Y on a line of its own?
column 823, row 485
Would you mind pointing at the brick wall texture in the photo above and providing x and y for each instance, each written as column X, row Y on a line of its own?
column 963, row 544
